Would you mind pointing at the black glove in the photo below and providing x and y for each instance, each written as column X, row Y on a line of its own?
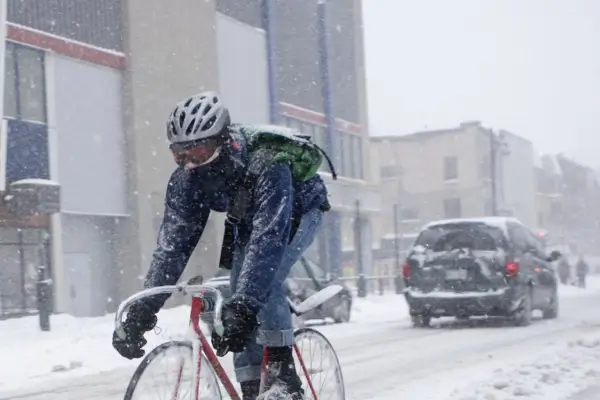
column 130, row 346
column 239, row 322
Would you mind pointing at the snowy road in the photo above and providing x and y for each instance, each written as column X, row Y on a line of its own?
column 384, row 358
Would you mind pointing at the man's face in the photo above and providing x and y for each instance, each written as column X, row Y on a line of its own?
column 191, row 157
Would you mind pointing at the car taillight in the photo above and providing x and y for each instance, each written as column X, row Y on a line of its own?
column 406, row 270
column 512, row 269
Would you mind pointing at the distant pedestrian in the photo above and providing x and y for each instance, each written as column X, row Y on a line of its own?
column 581, row 269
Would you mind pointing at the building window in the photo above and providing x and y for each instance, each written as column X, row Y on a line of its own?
column 485, row 167
column 319, row 139
column 556, row 209
column 450, row 168
column 389, row 171
column 346, row 150
column 25, row 84
column 488, row 208
column 307, row 129
column 409, row 214
column 452, row 208
column 319, row 136
column 358, row 157
column 10, row 87
column 294, row 124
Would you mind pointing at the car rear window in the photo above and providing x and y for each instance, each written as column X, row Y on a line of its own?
column 476, row 236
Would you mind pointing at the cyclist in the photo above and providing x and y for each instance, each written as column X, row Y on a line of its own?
column 278, row 222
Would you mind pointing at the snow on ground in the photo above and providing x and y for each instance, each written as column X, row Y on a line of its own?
column 74, row 345
column 82, row 346
column 563, row 371
column 381, row 355
column 555, row 376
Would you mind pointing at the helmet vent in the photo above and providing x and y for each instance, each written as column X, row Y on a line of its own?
column 207, row 109
column 188, row 131
column 181, row 118
column 196, row 108
column 210, row 123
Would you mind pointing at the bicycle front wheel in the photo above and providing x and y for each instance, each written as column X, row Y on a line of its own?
column 167, row 372
column 318, row 366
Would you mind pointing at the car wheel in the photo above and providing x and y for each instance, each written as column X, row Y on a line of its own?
column 522, row 317
column 551, row 312
column 342, row 311
column 421, row 321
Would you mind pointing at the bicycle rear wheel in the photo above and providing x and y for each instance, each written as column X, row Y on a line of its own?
column 166, row 373
column 320, row 365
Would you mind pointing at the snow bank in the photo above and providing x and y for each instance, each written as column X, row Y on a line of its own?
column 556, row 376
column 375, row 308
column 593, row 285
column 73, row 346
column 83, row 346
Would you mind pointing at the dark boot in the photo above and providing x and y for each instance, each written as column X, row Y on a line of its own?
column 250, row 390
column 282, row 371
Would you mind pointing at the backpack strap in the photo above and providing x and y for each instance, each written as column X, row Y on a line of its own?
column 238, row 206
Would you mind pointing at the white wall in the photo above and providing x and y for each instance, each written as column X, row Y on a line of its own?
column 243, row 70
column 89, row 266
column 90, row 139
column 518, row 179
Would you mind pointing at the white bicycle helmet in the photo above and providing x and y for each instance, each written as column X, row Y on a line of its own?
column 201, row 116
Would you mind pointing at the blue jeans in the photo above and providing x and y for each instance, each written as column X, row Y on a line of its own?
column 275, row 318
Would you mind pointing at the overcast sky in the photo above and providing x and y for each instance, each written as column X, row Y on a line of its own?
column 529, row 66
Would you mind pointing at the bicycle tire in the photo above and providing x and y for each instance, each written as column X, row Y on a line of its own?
column 159, row 350
column 306, row 331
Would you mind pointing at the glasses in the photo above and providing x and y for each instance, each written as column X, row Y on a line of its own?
column 196, row 155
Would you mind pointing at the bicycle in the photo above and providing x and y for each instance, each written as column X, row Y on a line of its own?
column 203, row 365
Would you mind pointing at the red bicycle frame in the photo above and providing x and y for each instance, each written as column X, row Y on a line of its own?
column 196, row 310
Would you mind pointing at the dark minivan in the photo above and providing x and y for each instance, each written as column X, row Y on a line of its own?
column 479, row 267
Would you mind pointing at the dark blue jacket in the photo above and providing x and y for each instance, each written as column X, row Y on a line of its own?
column 265, row 232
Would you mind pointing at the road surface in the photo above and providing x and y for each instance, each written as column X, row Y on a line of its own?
column 388, row 359
column 592, row 393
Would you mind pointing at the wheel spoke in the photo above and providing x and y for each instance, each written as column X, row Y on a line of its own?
column 321, row 364
column 167, row 374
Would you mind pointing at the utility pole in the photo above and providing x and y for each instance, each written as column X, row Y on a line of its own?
column 398, row 278
column 493, row 173
column 498, row 147
column 332, row 224
column 268, row 24
column 396, row 239
column 361, row 285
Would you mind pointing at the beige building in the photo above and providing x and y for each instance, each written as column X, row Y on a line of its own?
column 442, row 174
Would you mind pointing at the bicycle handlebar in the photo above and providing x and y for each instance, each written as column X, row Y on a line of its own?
column 183, row 289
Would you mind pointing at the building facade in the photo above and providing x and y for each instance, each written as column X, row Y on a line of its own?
column 89, row 84
column 443, row 174
column 568, row 196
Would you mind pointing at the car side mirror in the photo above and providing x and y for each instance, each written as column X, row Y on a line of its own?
column 555, row 255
